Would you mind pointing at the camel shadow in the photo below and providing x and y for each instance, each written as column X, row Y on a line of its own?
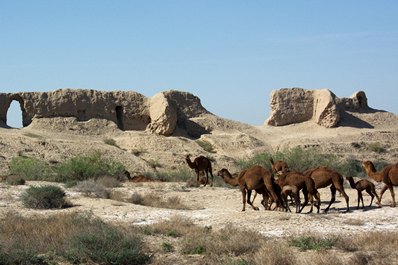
column 367, row 208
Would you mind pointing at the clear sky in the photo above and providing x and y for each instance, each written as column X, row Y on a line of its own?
column 230, row 53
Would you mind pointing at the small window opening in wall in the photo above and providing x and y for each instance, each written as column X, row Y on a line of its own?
column 81, row 115
column 14, row 115
column 119, row 117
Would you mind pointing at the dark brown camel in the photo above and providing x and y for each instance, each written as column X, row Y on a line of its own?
column 323, row 177
column 388, row 175
column 361, row 185
column 255, row 178
column 201, row 164
column 279, row 166
column 306, row 184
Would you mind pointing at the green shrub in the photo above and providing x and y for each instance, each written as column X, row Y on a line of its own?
column 299, row 159
column 376, row 147
column 207, row 146
column 167, row 247
column 90, row 166
column 110, row 141
column 15, row 180
column 181, row 174
column 312, row 243
column 30, row 168
column 44, row 197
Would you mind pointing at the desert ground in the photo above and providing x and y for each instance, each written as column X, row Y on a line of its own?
column 218, row 207
column 56, row 140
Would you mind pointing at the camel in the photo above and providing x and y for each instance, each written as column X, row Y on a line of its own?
column 292, row 191
column 306, row 184
column 255, row 178
column 361, row 185
column 388, row 175
column 232, row 179
column 279, row 166
column 323, row 177
column 201, row 164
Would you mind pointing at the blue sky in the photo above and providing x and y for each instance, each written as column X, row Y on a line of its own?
column 231, row 54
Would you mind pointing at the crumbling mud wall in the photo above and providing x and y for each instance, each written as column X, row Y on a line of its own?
column 296, row 105
column 130, row 110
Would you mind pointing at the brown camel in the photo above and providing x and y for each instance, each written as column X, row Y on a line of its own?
column 255, row 178
column 201, row 164
column 361, row 185
column 233, row 180
column 292, row 191
column 389, row 176
column 306, row 184
column 323, row 177
column 279, row 166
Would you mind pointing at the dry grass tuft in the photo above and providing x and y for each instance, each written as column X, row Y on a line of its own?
column 109, row 182
column 155, row 200
column 90, row 188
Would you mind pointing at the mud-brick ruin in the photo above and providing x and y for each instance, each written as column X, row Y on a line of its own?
column 130, row 110
column 168, row 111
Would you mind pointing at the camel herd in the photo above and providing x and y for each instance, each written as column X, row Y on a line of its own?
column 277, row 183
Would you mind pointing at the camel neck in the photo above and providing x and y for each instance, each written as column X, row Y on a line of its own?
column 352, row 183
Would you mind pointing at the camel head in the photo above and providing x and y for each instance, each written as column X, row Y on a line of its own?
column 223, row 172
column 368, row 165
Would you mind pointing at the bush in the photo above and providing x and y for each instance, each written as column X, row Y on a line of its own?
column 74, row 237
column 299, row 159
column 90, row 188
column 109, row 182
column 111, row 142
column 207, row 146
column 30, row 168
column 15, row 180
column 376, row 147
column 181, row 174
column 44, row 197
column 313, row 243
column 90, row 166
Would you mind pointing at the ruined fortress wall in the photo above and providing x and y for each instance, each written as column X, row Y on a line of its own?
column 129, row 110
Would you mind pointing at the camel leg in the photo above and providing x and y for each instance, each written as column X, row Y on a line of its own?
column 305, row 192
column 249, row 194
column 382, row 192
column 392, row 195
column 332, row 199
column 297, row 201
column 212, row 178
column 286, row 203
column 369, row 191
column 347, row 199
column 312, row 203
column 318, row 199
column 244, row 199
column 377, row 196
column 207, row 178
column 264, row 202
column 360, row 198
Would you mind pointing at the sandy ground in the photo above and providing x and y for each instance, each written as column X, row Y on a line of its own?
column 218, row 207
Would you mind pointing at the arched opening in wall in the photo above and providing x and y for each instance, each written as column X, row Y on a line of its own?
column 14, row 115
column 119, row 117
